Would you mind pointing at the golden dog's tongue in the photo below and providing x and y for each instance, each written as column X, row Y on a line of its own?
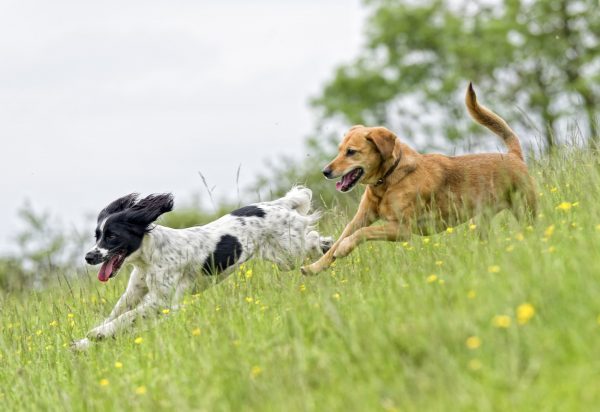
column 346, row 180
column 107, row 269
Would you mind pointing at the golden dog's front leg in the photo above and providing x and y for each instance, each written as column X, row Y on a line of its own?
column 389, row 231
column 364, row 217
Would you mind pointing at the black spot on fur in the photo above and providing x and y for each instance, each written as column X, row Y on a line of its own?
column 226, row 253
column 241, row 221
column 249, row 211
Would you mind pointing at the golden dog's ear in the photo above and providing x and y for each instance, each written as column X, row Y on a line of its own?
column 356, row 126
column 384, row 140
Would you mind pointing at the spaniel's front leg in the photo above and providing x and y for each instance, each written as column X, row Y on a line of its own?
column 150, row 305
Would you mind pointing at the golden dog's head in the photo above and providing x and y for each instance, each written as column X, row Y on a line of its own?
column 364, row 156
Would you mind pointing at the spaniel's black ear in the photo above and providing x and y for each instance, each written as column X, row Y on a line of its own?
column 148, row 209
column 118, row 205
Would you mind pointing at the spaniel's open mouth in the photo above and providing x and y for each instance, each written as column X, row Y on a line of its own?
column 110, row 267
column 349, row 180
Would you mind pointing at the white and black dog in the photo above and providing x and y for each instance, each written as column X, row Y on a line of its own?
column 167, row 262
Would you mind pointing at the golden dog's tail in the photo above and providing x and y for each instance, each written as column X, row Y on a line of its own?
column 492, row 121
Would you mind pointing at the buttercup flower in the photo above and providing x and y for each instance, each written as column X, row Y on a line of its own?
column 431, row 278
column 473, row 342
column 565, row 206
column 501, row 321
column 525, row 312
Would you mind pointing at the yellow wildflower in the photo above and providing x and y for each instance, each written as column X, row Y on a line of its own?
column 565, row 206
column 196, row 332
column 425, row 240
column 525, row 312
column 249, row 273
column 471, row 294
column 439, row 263
column 472, row 226
column 70, row 315
column 450, row 229
column 104, row 382
column 166, row 311
column 501, row 321
column 140, row 390
column 473, row 342
column 519, row 237
column 549, row 231
column 249, row 299
column 302, row 287
column 255, row 371
column 336, row 296
column 118, row 365
column 510, row 248
column 474, row 364
column 138, row 340
column 53, row 323
column 431, row 278
column 494, row 269
column 554, row 189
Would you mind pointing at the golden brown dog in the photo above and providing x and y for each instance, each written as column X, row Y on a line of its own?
column 425, row 193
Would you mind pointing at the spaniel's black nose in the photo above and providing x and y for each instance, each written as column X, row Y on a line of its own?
column 327, row 172
column 93, row 257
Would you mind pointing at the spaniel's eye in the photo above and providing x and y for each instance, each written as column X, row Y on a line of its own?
column 350, row 152
column 111, row 236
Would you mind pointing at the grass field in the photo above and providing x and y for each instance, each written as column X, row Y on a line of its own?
column 448, row 322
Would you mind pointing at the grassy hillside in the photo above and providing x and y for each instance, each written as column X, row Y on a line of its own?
column 448, row 322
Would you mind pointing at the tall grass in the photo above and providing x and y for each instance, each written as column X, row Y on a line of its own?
column 448, row 322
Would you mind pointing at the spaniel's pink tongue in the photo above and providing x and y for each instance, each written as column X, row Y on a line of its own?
column 107, row 269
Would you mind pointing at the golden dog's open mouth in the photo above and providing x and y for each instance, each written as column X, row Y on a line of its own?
column 349, row 180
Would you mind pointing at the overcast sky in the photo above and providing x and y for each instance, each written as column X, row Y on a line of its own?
column 99, row 99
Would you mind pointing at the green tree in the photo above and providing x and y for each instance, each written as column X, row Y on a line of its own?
column 542, row 56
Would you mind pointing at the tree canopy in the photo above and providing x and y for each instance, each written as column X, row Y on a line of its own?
column 540, row 57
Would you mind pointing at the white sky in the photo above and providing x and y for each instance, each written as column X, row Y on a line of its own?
column 99, row 99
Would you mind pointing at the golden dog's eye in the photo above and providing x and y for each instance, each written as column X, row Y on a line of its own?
column 350, row 152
